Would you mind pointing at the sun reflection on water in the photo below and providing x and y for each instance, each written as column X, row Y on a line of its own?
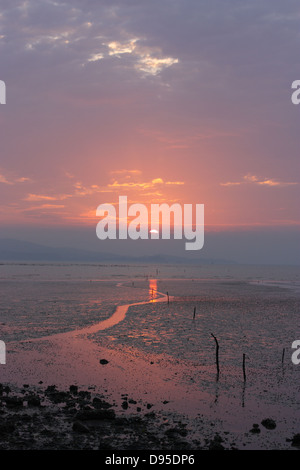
column 152, row 288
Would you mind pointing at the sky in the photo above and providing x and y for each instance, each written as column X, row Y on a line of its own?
column 170, row 101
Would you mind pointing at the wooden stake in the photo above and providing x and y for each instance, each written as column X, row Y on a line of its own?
column 244, row 370
column 282, row 358
column 217, row 353
column 194, row 313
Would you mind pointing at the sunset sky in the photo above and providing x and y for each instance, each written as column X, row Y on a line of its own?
column 184, row 101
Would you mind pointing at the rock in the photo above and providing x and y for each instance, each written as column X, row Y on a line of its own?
column 176, row 431
column 124, row 405
column 73, row 389
column 255, row 429
column 215, row 446
column 50, row 389
column 133, row 420
column 296, row 440
column 6, row 428
column 86, row 415
column 269, row 423
column 13, row 402
column 121, row 421
column 58, row 397
column 87, row 407
column 103, row 361
column 215, row 443
column 105, row 445
column 149, row 406
column 84, row 394
column 26, row 418
column 132, row 402
column 101, row 404
column 79, row 427
column 33, row 400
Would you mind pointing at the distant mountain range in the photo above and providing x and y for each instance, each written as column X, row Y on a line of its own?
column 23, row 251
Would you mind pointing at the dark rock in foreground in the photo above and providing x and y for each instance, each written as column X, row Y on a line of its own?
column 296, row 440
column 79, row 427
column 255, row 429
column 268, row 423
column 215, row 443
column 87, row 415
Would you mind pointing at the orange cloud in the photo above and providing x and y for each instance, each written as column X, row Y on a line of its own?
column 143, row 185
column 252, row 179
column 43, row 197
column 10, row 181
column 44, row 206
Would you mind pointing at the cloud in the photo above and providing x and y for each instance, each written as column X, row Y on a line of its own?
column 4, row 180
column 39, row 197
column 12, row 180
column 149, row 61
column 154, row 65
column 272, row 182
column 186, row 138
column 44, row 206
column 157, row 181
column 22, row 180
column 42, row 197
column 126, row 172
column 144, row 184
column 95, row 57
column 117, row 48
column 253, row 179
column 81, row 190
column 178, row 183
column 231, row 183
column 78, row 190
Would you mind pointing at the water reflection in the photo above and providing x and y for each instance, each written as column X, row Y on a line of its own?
column 152, row 288
column 243, row 395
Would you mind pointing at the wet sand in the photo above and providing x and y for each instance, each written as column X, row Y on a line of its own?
column 188, row 406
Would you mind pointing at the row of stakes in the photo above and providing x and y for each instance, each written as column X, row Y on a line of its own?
column 217, row 349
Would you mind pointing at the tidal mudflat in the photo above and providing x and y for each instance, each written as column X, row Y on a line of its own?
column 124, row 358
